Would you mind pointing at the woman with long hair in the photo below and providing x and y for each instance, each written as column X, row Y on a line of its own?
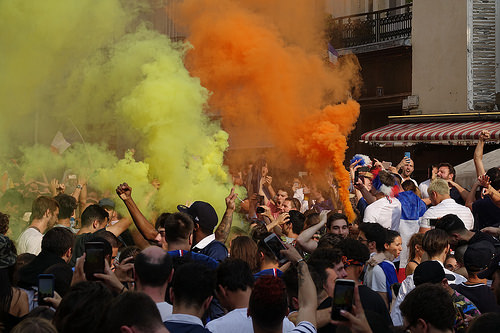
column 415, row 253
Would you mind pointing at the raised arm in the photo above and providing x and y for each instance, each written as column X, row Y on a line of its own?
column 147, row 231
column 222, row 231
column 478, row 153
column 463, row 192
column 305, row 238
column 472, row 195
column 307, row 291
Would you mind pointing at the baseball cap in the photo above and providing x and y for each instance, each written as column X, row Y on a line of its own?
column 202, row 213
column 430, row 272
column 479, row 256
column 107, row 202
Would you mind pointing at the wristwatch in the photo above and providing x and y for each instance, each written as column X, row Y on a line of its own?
column 79, row 186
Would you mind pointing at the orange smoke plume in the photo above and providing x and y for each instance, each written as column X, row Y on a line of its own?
column 265, row 77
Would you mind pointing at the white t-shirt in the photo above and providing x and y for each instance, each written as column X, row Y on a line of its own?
column 423, row 188
column 238, row 321
column 30, row 241
column 375, row 278
column 385, row 211
column 165, row 310
column 408, row 285
column 447, row 206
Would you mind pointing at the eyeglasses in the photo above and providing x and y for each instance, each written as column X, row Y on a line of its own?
column 362, row 240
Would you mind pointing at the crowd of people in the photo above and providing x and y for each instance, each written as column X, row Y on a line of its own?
column 420, row 257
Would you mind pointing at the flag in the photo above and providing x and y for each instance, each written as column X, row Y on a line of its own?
column 333, row 55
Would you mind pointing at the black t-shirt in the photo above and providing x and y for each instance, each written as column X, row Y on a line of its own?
column 486, row 213
column 455, row 195
column 79, row 248
column 479, row 294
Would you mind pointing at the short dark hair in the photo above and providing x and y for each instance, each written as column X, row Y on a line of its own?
column 431, row 303
column 178, row 226
column 92, row 213
column 329, row 241
column 391, row 235
column 234, row 274
column 133, row 309
column 297, row 220
column 153, row 271
column 108, row 236
column 374, row 232
column 334, row 217
column 58, row 240
column 193, row 283
column 265, row 250
column 67, row 205
column 435, row 241
column 160, row 221
column 354, row 250
column 83, row 308
column 268, row 302
column 494, row 174
column 451, row 223
column 40, row 206
column 450, row 167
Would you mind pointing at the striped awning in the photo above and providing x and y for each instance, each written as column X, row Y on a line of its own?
column 464, row 133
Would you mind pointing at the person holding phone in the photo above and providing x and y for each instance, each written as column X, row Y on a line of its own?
column 406, row 168
column 268, row 302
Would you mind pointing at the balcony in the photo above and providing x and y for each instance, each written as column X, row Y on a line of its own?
column 372, row 31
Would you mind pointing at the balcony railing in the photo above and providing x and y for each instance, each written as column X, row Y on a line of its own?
column 373, row 27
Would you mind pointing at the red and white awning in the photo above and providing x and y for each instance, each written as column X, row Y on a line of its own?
column 435, row 133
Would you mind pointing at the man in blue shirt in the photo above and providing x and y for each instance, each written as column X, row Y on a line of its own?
column 205, row 220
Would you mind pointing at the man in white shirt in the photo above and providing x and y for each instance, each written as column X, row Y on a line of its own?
column 234, row 287
column 44, row 214
column 443, row 204
column 386, row 211
column 153, row 271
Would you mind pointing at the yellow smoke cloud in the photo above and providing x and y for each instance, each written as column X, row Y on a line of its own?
column 94, row 68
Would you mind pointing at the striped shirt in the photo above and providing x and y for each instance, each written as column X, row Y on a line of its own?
column 304, row 327
column 447, row 206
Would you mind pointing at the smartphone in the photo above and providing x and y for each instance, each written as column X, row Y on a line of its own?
column 275, row 245
column 343, row 296
column 46, row 283
column 407, row 155
column 94, row 259
column 356, row 176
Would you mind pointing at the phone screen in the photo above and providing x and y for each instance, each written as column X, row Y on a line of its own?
column 342, row 298
column 45, row 287
column 94, row 259
column 275, row 245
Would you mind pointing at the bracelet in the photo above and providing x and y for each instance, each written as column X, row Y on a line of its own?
column 300, row 260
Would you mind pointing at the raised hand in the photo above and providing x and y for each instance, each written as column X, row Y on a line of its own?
column 124, row 191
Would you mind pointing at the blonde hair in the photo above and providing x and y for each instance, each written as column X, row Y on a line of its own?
column 440, row 186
